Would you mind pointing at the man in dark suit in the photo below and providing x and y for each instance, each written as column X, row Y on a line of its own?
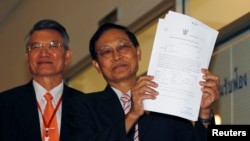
column 115, row 54
column 22, row 109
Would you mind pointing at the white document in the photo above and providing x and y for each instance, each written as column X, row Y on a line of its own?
column 182, row 46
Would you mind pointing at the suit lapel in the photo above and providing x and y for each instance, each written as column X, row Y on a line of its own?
column 65, row 98
column 28, row 112
column 110, row 103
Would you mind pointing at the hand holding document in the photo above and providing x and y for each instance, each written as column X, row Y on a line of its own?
column 182, row 46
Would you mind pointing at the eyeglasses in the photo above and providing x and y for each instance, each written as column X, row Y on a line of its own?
column 51, row 46
column 122, row 47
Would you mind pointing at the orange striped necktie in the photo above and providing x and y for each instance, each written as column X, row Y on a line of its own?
column 125, row 98
column 50, row 130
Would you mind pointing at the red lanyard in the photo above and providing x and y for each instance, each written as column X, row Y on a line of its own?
column 47, row 125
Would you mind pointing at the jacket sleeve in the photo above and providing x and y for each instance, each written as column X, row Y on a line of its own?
column 201, row 132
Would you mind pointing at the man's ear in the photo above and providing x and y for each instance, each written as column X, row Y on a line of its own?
column 68, row 56
column 138, row 52
column 96, row 65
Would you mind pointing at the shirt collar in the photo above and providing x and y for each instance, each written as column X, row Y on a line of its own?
column 119, row 93
column 56, row 92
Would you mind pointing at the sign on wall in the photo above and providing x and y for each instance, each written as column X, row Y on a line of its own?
column 231, row 61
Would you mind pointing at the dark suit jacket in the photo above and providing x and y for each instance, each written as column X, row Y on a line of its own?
column 99, row 116
column 19, row 117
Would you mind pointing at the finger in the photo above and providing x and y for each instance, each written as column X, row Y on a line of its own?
column 146, row 77
column 144, row 84
column 209, row 76
column 210, row 92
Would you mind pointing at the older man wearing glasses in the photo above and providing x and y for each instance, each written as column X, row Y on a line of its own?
column 37, row 110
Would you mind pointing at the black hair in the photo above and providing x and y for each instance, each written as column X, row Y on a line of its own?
column 49, row 24
column 104, row 27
